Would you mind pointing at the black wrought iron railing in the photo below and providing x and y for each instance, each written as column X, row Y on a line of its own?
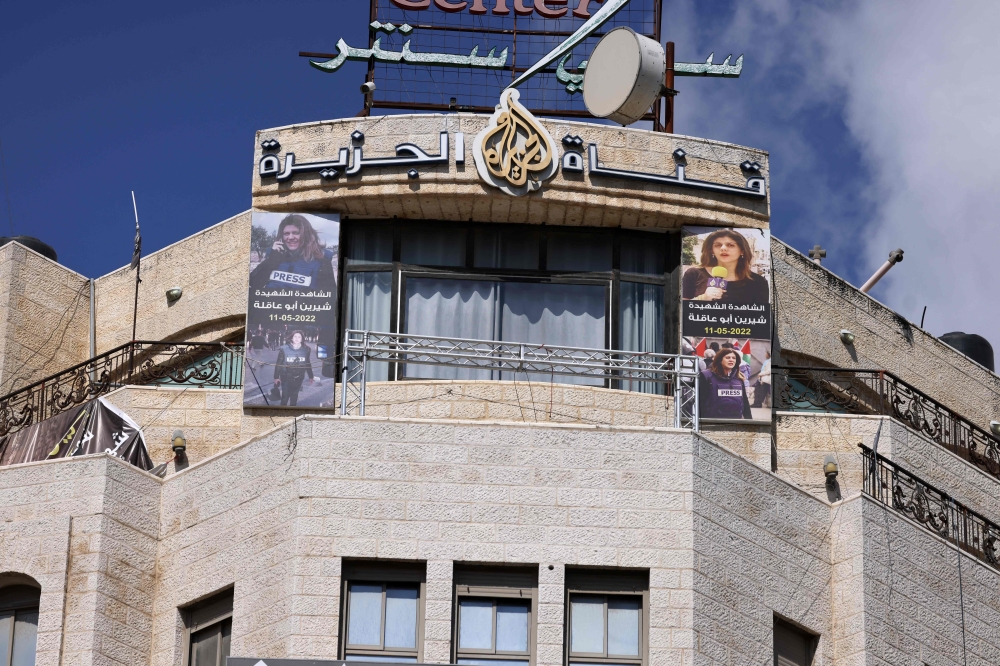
column 208, row 364
column 849, row 391
column 890, row 484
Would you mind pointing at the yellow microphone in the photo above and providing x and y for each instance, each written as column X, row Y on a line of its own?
column 718, row 279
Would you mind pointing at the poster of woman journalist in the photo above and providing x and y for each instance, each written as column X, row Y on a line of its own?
column 292, row 311
column 726, row 319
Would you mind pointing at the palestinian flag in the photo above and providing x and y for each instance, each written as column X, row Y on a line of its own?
column 700, row 348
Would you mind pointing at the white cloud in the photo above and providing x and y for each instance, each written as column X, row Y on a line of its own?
column 882, row 122
column 922, row 99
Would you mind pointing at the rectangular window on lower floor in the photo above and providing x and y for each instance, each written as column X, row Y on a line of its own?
column 495, row 615
column 607, row 616
column 793, row 646
column 383, row 604
column 209, row 628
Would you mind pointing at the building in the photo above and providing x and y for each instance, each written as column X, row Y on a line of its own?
column 491, row 514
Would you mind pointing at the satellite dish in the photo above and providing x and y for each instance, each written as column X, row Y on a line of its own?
column 624, row 76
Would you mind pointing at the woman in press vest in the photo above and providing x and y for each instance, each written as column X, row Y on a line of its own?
column 722, row 391
column 296, row 260
column 293, row 366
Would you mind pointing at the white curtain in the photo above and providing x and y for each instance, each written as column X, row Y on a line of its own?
column 561, row 315
column 450, row 309
column 641, row 325
column 369, row 304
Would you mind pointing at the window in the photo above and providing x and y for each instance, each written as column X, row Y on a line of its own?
column 495, row 611
column 18, row 624
column 383, row 611
column 569, row 287
column 607, row 616
column 209, row 628
column 792, row 646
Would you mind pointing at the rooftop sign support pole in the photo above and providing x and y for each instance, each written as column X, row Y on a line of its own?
column 668, row 95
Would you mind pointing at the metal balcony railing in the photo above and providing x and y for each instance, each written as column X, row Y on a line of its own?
column 196, row 364
column 623, row 370
column 893, row 486
column 849, row 391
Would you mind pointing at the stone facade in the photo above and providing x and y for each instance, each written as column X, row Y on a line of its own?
column 813, row 305
column 44, row 317
column 735, row 524
column 455, row 192
column 211, row 268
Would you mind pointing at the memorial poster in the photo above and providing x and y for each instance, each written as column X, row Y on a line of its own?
column 726, row 319
column 291, row 329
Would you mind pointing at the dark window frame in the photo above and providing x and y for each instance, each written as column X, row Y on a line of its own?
column 810, row 639
column 607, row 583
column 384, row 573
column 214, row 611
column 23, row 598
column 493, row 583
column 669, row 279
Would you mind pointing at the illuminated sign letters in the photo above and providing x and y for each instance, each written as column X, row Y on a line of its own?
column 544, row 8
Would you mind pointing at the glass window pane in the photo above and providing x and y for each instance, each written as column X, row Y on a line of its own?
column 6, row 625
column 506, row 249
column 623, row 626
column 369, row 301
column 512, row 627
column 381, row 658
column 564, row 315
column 475, row 624
column 365, row 615
column 400, row 617
column 586, row 632
column 642, row 255
column 433, row 247
column 369, row 245
column 450, row 309
column 494, row 662
column 25, row 635
column 205, row 647
column 579, row 252
column 227, row 636
column 641, row 325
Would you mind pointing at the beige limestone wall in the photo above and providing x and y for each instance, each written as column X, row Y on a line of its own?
column 44, row 317
column 86, row 529
column 516, row 401
column 213, row 420
column 211, row 267
column 762, row 547
column 813, row 305
column 921, row 605
column 456, row 192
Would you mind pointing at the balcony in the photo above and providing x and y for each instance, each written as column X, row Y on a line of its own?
column 850, row 391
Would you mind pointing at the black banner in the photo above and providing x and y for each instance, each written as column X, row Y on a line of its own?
column 92, row 427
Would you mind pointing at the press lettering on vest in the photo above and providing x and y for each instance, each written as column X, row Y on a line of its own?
column 726, row 393
column 291, row 278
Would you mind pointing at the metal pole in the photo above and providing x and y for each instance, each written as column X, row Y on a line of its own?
column 895, row 257
column 343, row 376
column 669, row 96
column 135, row 313
column 364, row 370
column 93, row 329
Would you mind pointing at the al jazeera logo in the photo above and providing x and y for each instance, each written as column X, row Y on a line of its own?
column 514, row 152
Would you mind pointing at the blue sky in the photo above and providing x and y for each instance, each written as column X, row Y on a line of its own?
column 164, row 99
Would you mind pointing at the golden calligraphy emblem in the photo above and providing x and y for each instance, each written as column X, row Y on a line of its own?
column 515, row 152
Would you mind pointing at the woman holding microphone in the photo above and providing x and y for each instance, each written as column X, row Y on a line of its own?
column 725, row 254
